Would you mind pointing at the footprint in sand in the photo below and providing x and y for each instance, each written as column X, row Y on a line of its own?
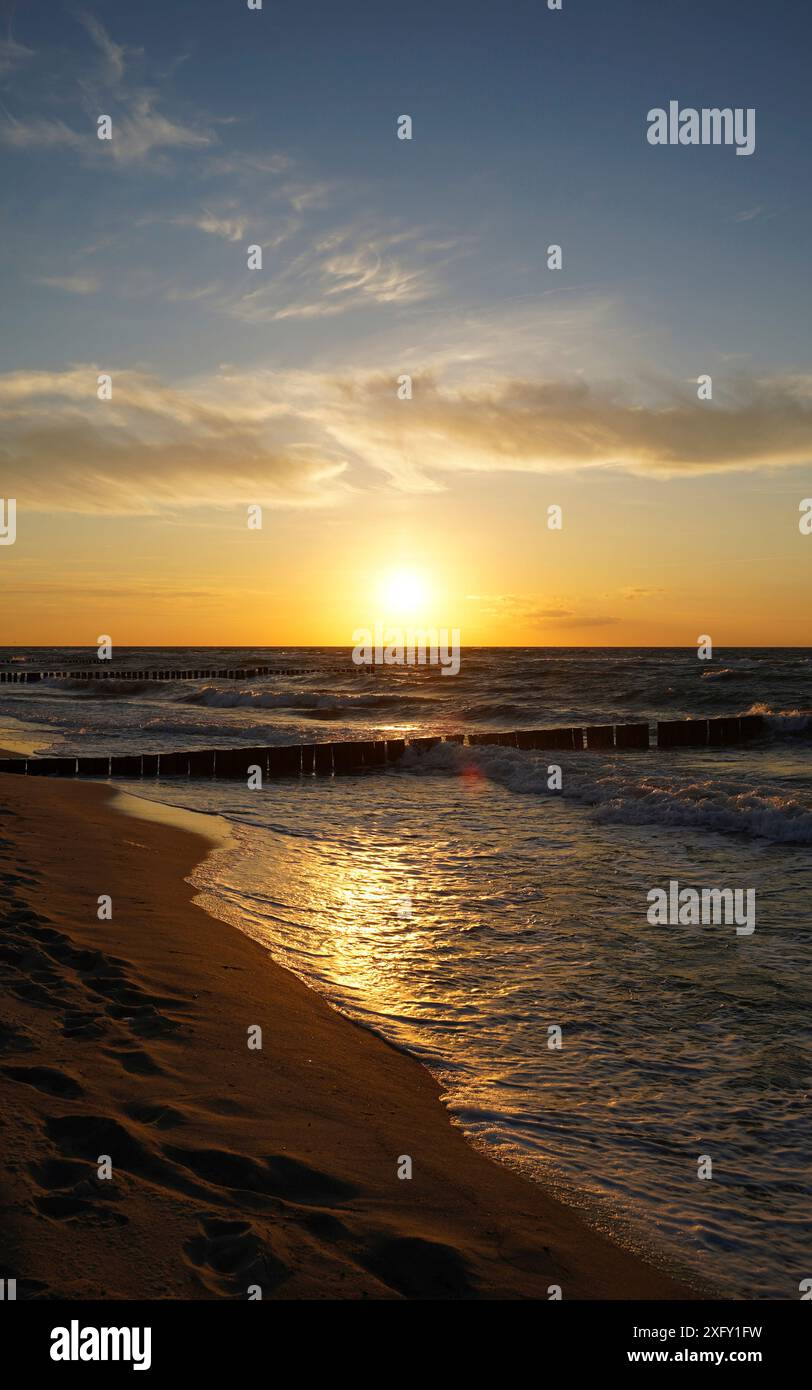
column 134, row 1060
column 14, row 1039
column 67, row 1206
column 276, row 1175
column 70, row 1190
column 32, row 993
column 55, row 1173
column 418, row 1268
column 87, row 1136
column 144, row 1020
column 47, row 1079
column 154, row 1116
column 81, row 1023
column 229, row 1256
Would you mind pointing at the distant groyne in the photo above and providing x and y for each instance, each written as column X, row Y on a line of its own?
column 361, row 755
column 17, row 675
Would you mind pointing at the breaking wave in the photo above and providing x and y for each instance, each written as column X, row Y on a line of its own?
column 104, row 689
column 658, row 798
column 215, row 698
column 783, row 723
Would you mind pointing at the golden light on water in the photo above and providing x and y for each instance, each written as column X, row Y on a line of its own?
column 361, row 908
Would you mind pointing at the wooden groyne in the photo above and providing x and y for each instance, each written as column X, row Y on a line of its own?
column 19, row 676
column 359, row 755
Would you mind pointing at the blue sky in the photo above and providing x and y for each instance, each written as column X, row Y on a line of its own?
column 234, row 127
column 529, row 128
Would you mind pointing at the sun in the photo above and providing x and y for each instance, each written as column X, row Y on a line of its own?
column 404, row 593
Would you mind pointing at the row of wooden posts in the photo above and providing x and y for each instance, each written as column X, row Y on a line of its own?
column 329, row 759
column 20, row 677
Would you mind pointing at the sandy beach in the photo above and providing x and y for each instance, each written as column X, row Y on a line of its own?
column 231, row 1167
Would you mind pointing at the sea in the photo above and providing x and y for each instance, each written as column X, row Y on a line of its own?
column 490, row 915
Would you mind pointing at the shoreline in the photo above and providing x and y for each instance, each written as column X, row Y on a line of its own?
column 230, row 1167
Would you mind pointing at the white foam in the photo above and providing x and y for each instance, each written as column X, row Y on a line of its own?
column 214, row 698
column 629, row 797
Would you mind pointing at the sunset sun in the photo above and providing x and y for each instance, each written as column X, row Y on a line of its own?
column 404, row 593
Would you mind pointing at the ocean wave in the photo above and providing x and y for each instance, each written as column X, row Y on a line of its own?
column 783, row 723
column 501, row 710
column 203, row 733
column 215, row 698
column 702, row 806
column 625, row 798
column 102, row 689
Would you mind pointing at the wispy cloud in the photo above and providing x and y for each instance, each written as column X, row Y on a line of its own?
column 155, row 447
column 304, row 196
column 142, row 133
column 351, row 268
column 243, row 166
column 113, row 54
column 548, row 426
column 72, row 284
column 144, row 130
column 527, row 610
column 639, row 591
column 230, row 228
column 12, row 53
column 41, row 133
column 148, row 590
column 308, row 438
column 587, row 620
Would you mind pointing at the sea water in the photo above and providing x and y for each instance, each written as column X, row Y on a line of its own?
column 497, row 929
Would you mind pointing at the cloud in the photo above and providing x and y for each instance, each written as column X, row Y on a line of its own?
column 229, row 228
column 632, row 593
column 72, row 284
column 304, row 196
column 245, row 166
column 154, row 447
column 112, row 53
column 144, row 130
column 149, row 590
column 349, row 269
column 306, row 438
column 365, row 273
column 525, row 609
column 507, row 606
column 142, row 133
column 575, row 621
column 548, row 426
column 41, row 133
column 12, row 53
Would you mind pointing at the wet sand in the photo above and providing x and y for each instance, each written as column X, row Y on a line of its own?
column 127, row 1040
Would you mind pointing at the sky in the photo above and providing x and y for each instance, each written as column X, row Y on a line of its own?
column 383, row 258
